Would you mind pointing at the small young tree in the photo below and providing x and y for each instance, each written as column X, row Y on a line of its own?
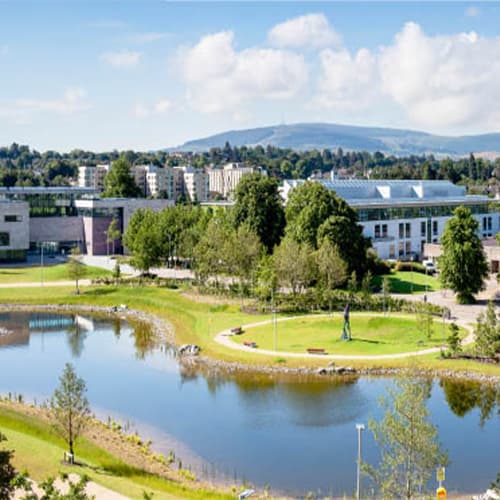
column 386, row 291
column 7, row 472
column 117, row 271
column 423, row 317
column 112, row 234
column 366, row 285
column 454, row 341
column 69, row 407
column 408, row 441
column 487, row 331
column 76, row 268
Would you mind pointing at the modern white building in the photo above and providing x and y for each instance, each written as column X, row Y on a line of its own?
column 93, row 176
column 402, row 216
column 192, row 182
column 223, row 181
column 14, row 230
column 154, row 182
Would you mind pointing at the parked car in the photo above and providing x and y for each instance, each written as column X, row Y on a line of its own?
column 430, row 266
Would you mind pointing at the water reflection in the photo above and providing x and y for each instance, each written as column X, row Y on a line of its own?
column 76, row 336
column 463, row 396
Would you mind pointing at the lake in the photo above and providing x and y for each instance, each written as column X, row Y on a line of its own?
column 296, row 436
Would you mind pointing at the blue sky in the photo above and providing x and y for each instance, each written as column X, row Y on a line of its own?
column 149, row 74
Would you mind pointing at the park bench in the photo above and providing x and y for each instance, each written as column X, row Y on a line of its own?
column 315, row 350
column 250, row 343
column 237, row 330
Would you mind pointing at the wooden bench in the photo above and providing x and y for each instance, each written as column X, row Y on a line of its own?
column 250, row 343
column 315, row 350
column 237, row 330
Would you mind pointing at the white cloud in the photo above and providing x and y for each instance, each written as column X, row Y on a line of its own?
column 151, row 36
column 312, row 30
column 23, row 110
column 472, row 11
column 443, row 81
column 219, row 78
column 160, row 107
column 124, row 59
column 347, row 82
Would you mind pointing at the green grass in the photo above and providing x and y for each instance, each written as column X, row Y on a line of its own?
column 409, row 282
column 197, row 322
column 57, row 272
column 39, row 450
column 370, row 335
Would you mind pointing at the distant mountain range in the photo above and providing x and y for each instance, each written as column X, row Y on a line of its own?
column 307, row 136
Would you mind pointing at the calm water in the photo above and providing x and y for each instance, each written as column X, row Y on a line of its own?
column 295, row 436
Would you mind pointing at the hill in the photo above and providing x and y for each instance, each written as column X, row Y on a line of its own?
column 306, row 136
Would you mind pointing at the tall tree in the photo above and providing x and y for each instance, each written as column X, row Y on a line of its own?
column 112, row 234
column 142, row 238
column 119, row 182
column 7, row 472
column 76, row 268
column 69, row 407
column 408, row 441
column 259, row 206
column 463, row 266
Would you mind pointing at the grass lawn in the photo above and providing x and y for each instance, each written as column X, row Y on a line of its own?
column 39, row 450
column 196, row 321
column 408, row 282
column 370, row 335
column 58, row 272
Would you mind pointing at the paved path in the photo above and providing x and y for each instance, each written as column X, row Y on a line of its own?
column 34, row 284
column 462, row 315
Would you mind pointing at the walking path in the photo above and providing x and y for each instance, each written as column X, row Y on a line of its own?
column 462, row 315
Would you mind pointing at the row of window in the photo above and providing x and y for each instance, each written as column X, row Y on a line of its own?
column 13, row 218
column 390, row 213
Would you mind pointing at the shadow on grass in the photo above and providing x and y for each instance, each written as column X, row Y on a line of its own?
column 96, row 292
column 403, row 286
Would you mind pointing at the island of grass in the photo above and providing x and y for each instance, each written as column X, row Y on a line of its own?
column 56, row 272
column 372, row 334
column 408, row 282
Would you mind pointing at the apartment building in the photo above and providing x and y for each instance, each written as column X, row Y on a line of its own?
column 93, row 176
column 223, row 181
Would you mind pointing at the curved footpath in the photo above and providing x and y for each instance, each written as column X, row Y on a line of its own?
column 462, row 315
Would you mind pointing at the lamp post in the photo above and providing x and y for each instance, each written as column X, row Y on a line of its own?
column 359, row 427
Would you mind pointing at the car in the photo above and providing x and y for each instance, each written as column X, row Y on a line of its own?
column 429, row 265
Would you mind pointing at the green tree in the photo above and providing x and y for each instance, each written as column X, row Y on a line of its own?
column 294, row 264
column 69, row 407
column 332, row 269
column 454, row 341
column 119, row 182
column 487, row 332
column 424, row 319
column 386, row 291
column 408, row 441
column 143, row 239
column 245, row 250
column 75, row 490
column 76, row 268
column 463, row 266
column 258, row 205
column 112, row 234
column 7, row 472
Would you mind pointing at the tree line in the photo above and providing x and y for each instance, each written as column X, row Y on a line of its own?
column 22, row 166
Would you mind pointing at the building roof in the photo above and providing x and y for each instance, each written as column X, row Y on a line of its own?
column 381, row 193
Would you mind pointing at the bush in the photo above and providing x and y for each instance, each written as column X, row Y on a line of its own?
column 410, row 267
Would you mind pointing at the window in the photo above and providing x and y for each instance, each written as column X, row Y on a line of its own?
column 384, row 230
column 435, row 228
column 392, row 252
column 408, row 230
column 4, row 239
column 377, row 231
column 401, row 249
column 408, row 248
column 401, row 230
column 13, row 218
column 422, row 228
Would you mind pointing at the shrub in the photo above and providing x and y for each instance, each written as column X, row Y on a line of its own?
column 410, row 267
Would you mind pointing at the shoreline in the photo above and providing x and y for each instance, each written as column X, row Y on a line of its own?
column 164, row 333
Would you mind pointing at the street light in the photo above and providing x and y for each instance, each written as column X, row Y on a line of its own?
column 359, row 427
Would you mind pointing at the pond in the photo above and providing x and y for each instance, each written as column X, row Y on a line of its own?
column 296, row 436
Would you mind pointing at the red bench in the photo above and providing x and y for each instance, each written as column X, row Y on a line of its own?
column 250, row 343
column 315, row 350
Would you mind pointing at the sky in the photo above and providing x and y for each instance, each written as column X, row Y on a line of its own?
column 149, row 74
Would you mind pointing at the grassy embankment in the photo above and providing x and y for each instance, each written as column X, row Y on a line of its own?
column 57, row 272
column 371, row 335
column 39, row 450
column 195, row 320
column 409, row 282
